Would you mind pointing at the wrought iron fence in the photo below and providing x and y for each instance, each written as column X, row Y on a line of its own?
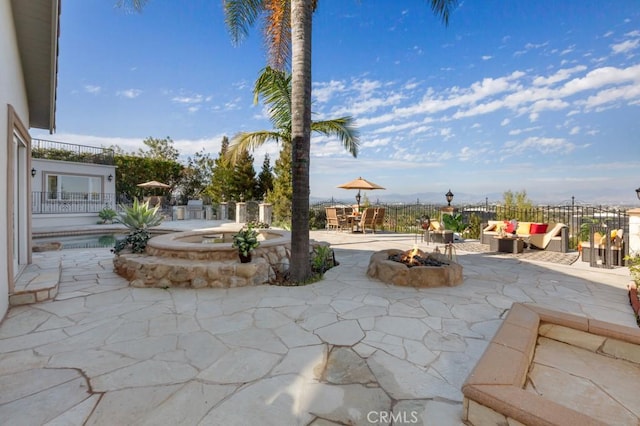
column 53, row 150
column 407, row 217
column 51, row 202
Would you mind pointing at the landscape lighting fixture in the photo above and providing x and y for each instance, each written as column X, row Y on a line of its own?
column 449, row 196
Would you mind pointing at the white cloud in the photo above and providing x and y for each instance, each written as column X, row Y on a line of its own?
column 560, row 75
column 541, row 145
column 129, row 93
column 625, row 46
column 467, row 153
column 486, row 57
column 193, row 99
column 94, row 90
column 615, row 94
column 324, row 92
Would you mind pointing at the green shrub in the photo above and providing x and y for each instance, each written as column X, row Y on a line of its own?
column 107, row 215
column 454, row 222
column 136, row 241
column 322, row 259
column 633, row 262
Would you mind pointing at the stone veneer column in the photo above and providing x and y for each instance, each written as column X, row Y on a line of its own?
column 634, row 231
column 266, row 211
column 241, row 212
column 224, row 211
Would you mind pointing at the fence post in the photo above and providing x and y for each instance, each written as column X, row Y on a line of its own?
column 634, row 232
column 266, row 210
column 241, row 212
column 224, row 210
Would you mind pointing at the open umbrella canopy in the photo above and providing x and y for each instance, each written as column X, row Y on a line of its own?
column 153, row 184
column 360, row 184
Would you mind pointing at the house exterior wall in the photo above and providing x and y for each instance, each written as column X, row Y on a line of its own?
column 12, row 98
column 44, row 217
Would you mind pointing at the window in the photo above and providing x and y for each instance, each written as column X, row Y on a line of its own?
column 73, row 187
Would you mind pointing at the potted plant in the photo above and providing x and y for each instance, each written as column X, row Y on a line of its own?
column 245, row 240
column 634, row 269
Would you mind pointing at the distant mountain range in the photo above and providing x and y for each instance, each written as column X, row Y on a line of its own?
column 617, row 198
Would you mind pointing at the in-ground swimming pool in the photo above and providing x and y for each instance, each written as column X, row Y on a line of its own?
column 80, row 241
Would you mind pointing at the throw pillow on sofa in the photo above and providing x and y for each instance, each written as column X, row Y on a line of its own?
column 523, row 228
column 538, row 228
column 508, row 227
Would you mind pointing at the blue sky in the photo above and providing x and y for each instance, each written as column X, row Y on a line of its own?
column 539, row 96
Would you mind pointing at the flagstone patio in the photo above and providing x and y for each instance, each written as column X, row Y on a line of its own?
column 345, row 350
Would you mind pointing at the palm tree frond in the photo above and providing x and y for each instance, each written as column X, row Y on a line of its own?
column 249, row 141
column 277, row 32
column 129, row 5
column 240, row 15
column 443, row 9
column 344, row 128
column 275, row 89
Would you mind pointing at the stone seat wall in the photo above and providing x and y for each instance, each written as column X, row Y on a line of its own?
column 147, row 271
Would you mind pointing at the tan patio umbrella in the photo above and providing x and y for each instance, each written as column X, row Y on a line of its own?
column 153, row 184
column 360, row 184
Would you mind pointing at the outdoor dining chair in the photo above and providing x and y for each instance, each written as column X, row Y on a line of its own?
column 367, row 220
column 379, row 219
column 335, row 221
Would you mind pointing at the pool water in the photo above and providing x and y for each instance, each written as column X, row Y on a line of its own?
column 82, row 241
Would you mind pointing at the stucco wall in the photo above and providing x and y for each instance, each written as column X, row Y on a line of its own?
column 12, row 92
column 42, row 167
column 53, row 166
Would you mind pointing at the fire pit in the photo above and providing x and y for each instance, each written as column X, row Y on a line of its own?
column 414, row 268
column 417, row 257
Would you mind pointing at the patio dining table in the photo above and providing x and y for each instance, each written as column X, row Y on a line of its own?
column 353, row 220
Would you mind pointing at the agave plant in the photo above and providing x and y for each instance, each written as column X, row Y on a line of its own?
column 139, row 216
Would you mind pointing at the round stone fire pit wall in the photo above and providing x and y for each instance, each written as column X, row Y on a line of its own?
column 392, row 272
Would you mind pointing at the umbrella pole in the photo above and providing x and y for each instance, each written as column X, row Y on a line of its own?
column 358, row 198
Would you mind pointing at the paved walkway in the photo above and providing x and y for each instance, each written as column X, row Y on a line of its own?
column 346, row 350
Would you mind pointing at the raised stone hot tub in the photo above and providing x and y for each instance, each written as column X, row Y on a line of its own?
column 447, row 273
column 205, row 258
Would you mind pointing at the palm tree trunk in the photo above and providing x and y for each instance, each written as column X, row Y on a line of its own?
column 301, row 14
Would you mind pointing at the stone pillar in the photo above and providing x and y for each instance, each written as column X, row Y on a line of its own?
column 241, row 212
column 634, row 232
column 224, row 211
column 449, row 210
column 266, row 211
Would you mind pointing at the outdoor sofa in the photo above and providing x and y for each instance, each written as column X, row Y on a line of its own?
column 544, row 236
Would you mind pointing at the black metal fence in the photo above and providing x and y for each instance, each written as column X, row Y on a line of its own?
column 53, row 150
column 407, row 217
column 51, row 202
